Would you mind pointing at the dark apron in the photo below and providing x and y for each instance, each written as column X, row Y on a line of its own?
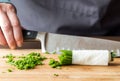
column 75, row 17
column 111, row 20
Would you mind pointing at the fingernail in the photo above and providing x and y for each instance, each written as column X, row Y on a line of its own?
column 19, row 44
column 13, row 47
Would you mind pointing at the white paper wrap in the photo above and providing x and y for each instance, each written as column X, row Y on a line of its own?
column 91, row 57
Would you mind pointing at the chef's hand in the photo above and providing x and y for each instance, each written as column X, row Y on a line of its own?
column 10, row 28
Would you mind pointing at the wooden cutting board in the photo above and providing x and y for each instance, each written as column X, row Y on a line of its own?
column 67, row 73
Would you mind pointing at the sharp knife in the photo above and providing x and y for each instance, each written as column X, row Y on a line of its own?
column 54, row 42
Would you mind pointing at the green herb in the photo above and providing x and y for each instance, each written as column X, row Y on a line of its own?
column 58, row 67
column 9, row 70
column 65, row 57
column 54, row 64
column 3, row 72
column 21, row 57
column 26, row 62
column 113, row 55
column 56, row 75
column 4, row 57
column 47, row 52
column 10, row 58
column 54, row 52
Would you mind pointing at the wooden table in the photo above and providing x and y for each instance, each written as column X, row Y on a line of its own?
column 67, row 73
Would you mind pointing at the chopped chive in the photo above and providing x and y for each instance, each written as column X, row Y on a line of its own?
column 113, row 55
column 47, row 52
column 54, row 64
column 26, row 62
column 54, row 52
column 3, row 72
column 9, row 70
column 65, row 57
column 58, row 67
column 56, row 75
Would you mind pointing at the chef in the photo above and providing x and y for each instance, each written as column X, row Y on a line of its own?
column 74, row 17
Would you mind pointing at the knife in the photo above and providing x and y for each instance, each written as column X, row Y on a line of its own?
column 51, row 42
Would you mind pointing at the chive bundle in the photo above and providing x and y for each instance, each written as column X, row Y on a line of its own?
column 26, row 62
column 66, row 57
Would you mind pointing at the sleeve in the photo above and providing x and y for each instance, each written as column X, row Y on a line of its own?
column 111, row 19
column 76, row 17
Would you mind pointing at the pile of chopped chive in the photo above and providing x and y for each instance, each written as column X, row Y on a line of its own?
column 26, row 62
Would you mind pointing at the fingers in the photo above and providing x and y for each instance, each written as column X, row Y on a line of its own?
column 17, row 31
column 2, row 41
column 7, row 29
column 11, row 32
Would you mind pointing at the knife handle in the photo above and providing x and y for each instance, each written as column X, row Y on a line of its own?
column 29, row 35
column 35, row 36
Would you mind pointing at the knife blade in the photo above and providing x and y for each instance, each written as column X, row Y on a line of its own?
column 51, row 42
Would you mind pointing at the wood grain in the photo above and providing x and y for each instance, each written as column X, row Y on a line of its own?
column 67, row 73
